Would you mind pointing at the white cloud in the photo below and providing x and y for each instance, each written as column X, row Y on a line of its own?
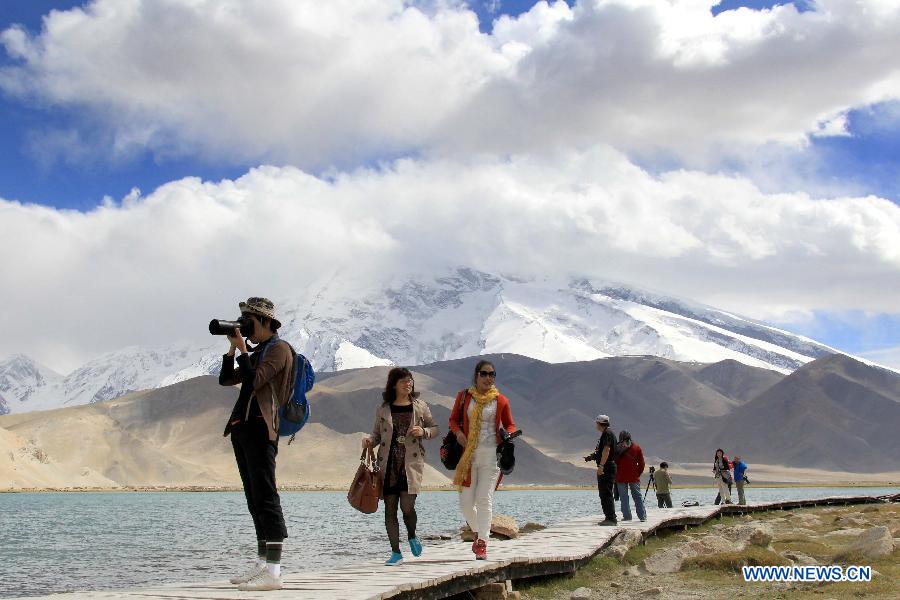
column 833, row 127
column 306, row 82
column 889, row 357
column 342, row 82
column 568, row 93
column 157, row 268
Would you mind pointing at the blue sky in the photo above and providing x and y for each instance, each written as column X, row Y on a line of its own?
column 28, row 177
column 54, row 151
column 868, row 160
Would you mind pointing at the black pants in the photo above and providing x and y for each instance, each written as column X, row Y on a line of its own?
column 664, row 500
column 255, row 456
column 605, row 484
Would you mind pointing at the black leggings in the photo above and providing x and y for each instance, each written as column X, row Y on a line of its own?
column 407, row 504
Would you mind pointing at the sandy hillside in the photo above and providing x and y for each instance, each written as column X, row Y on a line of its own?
column 167, row 437
column 23, row 463
column 172, row 436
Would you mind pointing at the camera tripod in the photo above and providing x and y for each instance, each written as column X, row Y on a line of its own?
column 651, row 481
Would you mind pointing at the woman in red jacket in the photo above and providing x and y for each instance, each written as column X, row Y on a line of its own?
column 482, row 410
column 629, row 466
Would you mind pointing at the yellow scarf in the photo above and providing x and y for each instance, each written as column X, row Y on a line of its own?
column 465, row 462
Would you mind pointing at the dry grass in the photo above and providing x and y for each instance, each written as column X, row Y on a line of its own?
column 600, row 568
column 751, row 556
column 807, row 546
column 718, row 576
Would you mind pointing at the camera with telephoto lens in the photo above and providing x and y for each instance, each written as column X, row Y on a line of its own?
column 652, row 469
column 222, row 327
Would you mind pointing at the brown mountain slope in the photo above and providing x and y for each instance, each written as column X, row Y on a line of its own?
column 353, row 410
column 833, row 413
column 173, row 437
column 734, row 380
column 555, row 404
column 169, row 437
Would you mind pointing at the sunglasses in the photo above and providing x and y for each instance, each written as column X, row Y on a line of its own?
column 487, row 373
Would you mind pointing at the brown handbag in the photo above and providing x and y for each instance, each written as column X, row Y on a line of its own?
column 365, row 491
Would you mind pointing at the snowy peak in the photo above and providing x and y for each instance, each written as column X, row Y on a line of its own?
column 415, row 319
column 465, row 312
column 714, row 318
column 109, row 376
column 22, row 379
column 122, row 372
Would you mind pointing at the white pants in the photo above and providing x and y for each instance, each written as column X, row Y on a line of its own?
column 723, row 491
column 476, row 501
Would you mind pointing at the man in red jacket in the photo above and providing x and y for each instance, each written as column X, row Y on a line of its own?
column 629, row 466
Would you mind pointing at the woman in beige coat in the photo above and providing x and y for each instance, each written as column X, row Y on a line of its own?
column 402, row 422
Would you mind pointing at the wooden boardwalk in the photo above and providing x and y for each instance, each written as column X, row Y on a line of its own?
column 448, row 568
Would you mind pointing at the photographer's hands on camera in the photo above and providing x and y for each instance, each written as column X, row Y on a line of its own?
column 237, row 342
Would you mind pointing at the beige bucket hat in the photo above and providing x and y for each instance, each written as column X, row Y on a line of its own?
column 262, row 307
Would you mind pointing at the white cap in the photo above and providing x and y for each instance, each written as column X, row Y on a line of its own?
column 602, row 419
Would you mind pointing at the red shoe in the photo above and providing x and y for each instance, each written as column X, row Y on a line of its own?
column 475, row 545
column 480, row 549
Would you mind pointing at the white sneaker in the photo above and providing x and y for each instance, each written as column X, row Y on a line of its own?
column 261, row 583
column 250, row 574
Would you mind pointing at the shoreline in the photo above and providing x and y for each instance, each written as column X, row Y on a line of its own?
column 327, row 488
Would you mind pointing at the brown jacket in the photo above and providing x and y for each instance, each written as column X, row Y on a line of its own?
column 272, row 383
column 383, row 432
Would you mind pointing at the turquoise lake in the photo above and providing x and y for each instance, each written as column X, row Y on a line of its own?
column 56, row 542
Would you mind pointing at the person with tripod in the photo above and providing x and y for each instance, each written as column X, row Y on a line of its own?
column 662, row 483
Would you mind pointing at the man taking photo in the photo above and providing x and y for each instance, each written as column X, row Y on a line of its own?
column 604, row 455
column 265, row 375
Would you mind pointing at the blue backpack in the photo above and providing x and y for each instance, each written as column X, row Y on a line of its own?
column 293, row 414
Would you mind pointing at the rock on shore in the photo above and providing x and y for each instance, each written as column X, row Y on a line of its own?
column 502, row 527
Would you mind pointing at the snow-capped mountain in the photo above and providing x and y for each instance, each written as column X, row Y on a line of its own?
column 343, row 323
column 26, row 385
column 22, row 382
